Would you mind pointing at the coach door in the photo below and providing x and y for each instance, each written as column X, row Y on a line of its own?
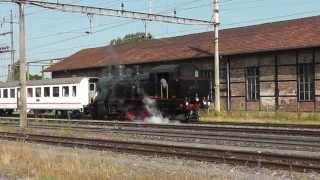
column 92, row 89
column 163, row 85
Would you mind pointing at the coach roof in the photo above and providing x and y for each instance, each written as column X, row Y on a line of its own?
column 282, row 35
column 57, row 81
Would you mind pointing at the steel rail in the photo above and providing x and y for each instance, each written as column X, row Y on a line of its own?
column 274, row 141
column 248, row 124
column 315, row 132
column 243, row 156
column 278, row 142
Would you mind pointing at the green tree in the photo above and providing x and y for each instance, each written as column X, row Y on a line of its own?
column 134, row 37
column 16, row 75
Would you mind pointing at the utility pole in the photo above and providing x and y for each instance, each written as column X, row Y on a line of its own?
column 145, row 22
column 11, row 67
column 12, row 49
column 22, row 62
column 216, row 56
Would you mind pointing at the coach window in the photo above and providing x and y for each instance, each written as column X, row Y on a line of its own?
column 0, row 92
column 38, row 92
column 306, row 82
column 65, row 91
column 253, row 88
column 74, row 91
column 12, row 93
column 5, row 93
column 46, row 91
column 55, row 92
column 30, row 92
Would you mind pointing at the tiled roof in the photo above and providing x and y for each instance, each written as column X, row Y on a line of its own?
column 290, row 34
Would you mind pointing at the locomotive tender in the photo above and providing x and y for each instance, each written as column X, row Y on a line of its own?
column 135, row 96
column 62, row 96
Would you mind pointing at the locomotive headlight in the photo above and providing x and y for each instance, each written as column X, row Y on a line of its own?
column 209, row 103
column 187, row 103
column 197, row 99
column 205, row 102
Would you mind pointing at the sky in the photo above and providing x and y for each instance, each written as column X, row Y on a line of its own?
column 55, row 34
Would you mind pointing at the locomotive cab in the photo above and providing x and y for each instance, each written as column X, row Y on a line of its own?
column 92, row 89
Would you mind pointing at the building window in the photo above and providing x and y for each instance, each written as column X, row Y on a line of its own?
column 12, row 93
column 38, row 92
column 306, row 82
column 65, row 91
column 46, row 91
column 5, row 93
column 253, row 88
column 74, row 91
column 55, row 92
column 30, row 92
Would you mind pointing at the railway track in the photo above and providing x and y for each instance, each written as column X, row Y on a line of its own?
column 239, row 156
column 243, row 139
column 302, row 130
column 284, row 125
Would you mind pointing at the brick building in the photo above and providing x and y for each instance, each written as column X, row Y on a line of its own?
column 266, row 67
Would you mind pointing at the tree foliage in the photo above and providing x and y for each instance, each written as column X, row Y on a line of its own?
column 134, row 37
column 16, row 74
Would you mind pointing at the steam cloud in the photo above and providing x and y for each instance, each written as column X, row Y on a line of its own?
column 155, row 115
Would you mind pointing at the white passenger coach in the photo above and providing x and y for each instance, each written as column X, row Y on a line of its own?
column 61, row 95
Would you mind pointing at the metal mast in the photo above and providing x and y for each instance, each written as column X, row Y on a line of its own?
column 216, row 56
column 22, row 67
column 12, row 49
column 145, row 22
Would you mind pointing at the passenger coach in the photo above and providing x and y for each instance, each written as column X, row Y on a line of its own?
column 61, row 96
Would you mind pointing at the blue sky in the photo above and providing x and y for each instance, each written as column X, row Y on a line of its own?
column 52, row 34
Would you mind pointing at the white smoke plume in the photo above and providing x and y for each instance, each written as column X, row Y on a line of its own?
column 155, row 115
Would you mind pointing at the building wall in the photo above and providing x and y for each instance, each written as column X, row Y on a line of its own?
column 277, row 79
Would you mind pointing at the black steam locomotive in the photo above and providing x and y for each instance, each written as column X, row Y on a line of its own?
column 164, row 91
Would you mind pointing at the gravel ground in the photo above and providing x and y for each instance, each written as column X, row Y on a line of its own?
column 118, row 135
column 226, row 141
column 127, row 166
column 122, row 135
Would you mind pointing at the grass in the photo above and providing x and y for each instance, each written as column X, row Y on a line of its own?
column 262, row 117
column 28, row 161
column 19, row 160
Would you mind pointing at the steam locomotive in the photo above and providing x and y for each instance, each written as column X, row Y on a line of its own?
column 163, row 91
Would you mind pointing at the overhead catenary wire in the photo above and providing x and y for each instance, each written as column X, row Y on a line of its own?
column 93, row 32
column 242, row 22
column 71, row 31
column 65, row 32
column 230, row 24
